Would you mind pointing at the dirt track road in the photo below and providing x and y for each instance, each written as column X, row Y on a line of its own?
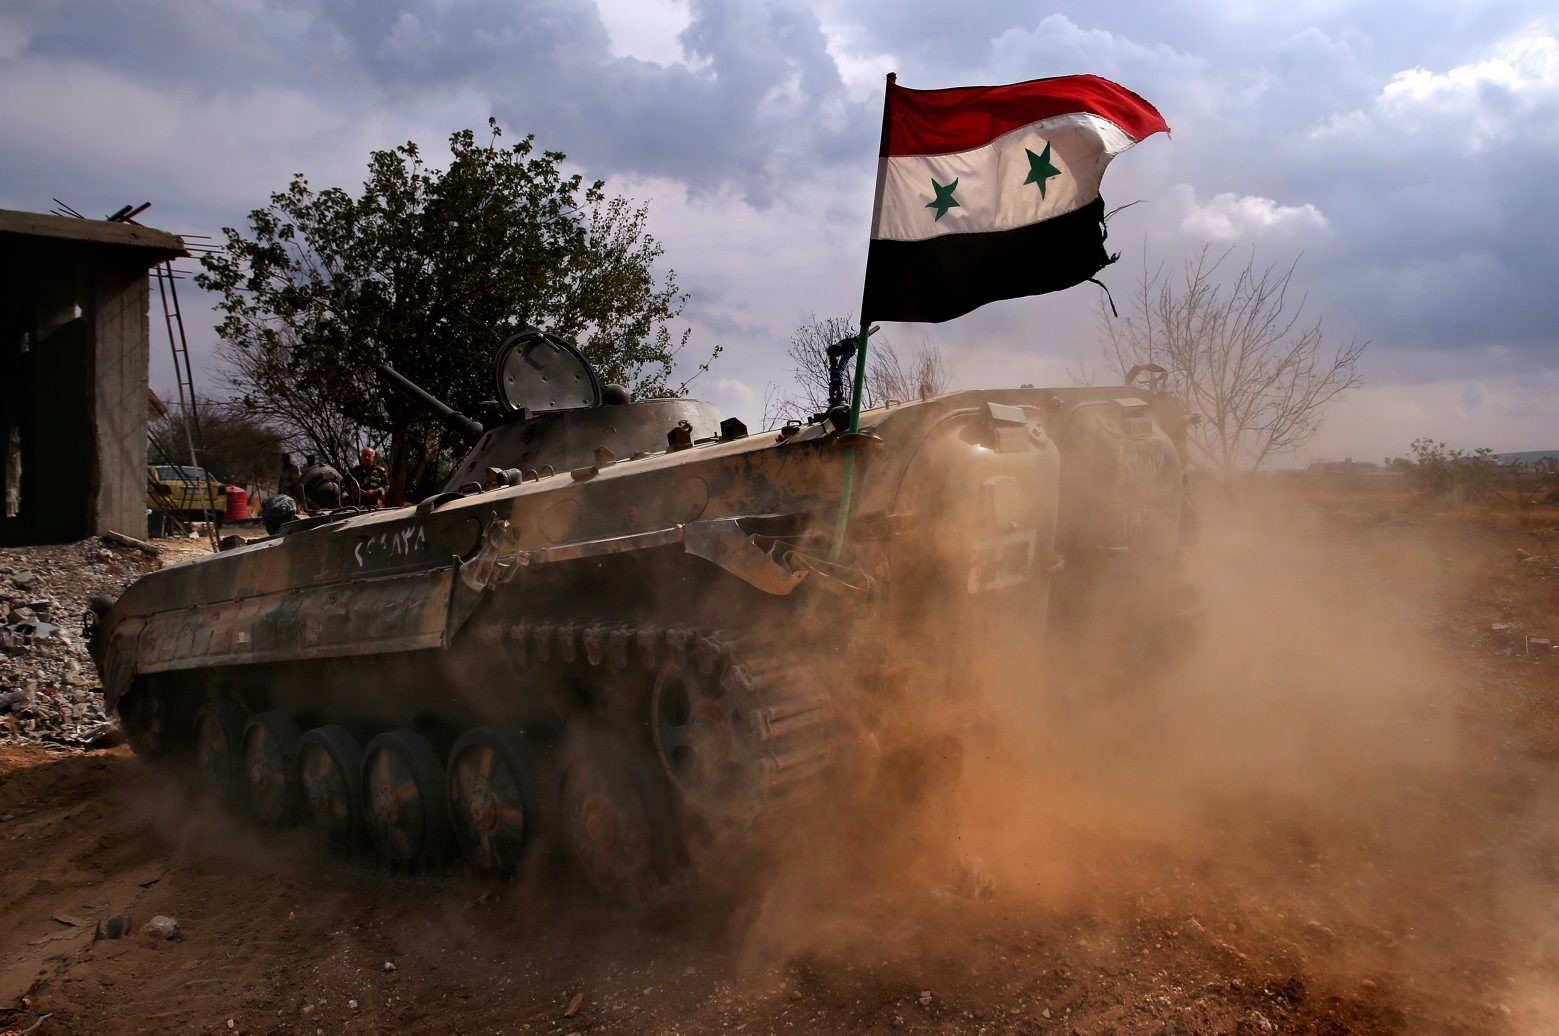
column 1422, row 904
column 278, row 942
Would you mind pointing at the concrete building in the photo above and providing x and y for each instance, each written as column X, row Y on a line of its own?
column 74, row 350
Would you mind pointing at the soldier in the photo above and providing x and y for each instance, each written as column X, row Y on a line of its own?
column 370, row 480
column 322, row 487
column 277, row 511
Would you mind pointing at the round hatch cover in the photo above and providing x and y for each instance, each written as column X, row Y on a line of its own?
column 537, row 371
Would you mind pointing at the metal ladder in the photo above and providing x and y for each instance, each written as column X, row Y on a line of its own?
column 178, row 344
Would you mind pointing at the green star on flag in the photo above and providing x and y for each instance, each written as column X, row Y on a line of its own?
column 1040, row 168
column 944, row 199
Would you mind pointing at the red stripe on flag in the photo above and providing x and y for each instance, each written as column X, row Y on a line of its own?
column 937, row 122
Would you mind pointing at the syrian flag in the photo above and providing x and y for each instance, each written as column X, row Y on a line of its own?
column 992, row 192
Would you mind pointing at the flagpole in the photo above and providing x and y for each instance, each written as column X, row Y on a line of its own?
column 857, row 391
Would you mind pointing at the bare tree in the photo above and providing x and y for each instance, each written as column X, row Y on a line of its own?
column 309, row 421
column 808, row 353
column 887, row 376
column 1240, row 353
column 237, row 446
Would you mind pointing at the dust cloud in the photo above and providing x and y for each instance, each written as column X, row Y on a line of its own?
column 1317, row 781
column 1310, row 781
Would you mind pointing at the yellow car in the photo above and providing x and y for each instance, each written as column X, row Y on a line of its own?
column 184, row 490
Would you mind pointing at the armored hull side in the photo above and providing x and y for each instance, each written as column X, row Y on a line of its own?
column 631, row 650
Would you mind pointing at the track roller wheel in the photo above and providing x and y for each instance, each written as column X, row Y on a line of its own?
column 219, row 740
column 492, row 797
column 614, row 816
column 330, row 778
column 271, row 767
column 406, row 798
column 739, row 740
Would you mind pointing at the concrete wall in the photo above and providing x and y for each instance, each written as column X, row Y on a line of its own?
column 74, row 350
column 118, row 405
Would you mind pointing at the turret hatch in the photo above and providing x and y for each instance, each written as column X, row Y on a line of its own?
column 537, row 371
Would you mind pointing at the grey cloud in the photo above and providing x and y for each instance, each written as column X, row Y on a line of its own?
column 173, row 43
column 408, row 46
column 932, row 40
column 1438, row 251
column 760, row 93
column 757, row 95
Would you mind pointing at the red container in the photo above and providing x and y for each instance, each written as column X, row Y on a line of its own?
column 237, row 503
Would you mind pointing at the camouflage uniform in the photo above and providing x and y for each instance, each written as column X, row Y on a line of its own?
column 371, row 481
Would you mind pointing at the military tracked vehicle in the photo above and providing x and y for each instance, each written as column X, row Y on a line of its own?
column 624, row 629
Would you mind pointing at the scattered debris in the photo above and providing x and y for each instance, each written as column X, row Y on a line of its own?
column 48, row 686
column 25, row 626
column 149, row 549
column 23, row 1032
column 71, row 933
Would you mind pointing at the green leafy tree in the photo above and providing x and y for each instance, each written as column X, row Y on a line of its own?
column 429, row 270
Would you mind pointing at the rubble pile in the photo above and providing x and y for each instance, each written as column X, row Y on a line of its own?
column 49, row 689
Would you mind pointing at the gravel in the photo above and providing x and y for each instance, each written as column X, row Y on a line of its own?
column 49, row 688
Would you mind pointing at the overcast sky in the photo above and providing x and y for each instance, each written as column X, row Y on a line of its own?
column 1410, row 157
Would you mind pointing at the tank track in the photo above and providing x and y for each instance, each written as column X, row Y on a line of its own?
column 778, row 715
column 769, row 722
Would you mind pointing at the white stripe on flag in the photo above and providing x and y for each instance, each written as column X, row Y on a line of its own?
column 991, row 192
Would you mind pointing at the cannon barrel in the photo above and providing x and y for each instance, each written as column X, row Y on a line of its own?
column 468, row 430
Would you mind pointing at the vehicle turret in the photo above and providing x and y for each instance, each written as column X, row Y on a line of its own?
column 554, row 415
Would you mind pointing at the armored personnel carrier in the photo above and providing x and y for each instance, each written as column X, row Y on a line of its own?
column 625, row 629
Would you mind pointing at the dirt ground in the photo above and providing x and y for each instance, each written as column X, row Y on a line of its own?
column 1338, row 818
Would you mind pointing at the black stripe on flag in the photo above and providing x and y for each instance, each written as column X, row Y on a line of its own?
column 940, row 278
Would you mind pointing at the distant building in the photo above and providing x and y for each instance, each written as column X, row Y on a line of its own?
column 74, row 347
column 1344, row 467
